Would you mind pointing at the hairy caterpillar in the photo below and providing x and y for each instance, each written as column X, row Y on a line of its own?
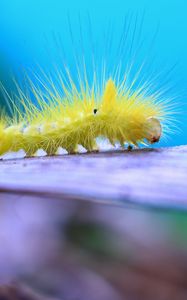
column 116, row 115
column 117, row 111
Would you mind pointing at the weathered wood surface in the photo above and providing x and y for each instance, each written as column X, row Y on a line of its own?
column 153, row 177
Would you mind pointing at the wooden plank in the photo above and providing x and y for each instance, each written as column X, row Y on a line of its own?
column 153, row 177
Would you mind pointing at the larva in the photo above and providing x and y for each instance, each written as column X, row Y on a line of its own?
column 114, row 108
column 117, row 115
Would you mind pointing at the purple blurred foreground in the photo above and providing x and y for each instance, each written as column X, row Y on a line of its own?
column 72, row 227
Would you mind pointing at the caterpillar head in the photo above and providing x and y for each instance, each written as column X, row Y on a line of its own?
column 153, row 130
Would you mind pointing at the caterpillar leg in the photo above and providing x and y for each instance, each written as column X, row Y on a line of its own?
column 90, row 145
column 129, row 148
column 30, row 153
column 120, row 137
column 111, row 141
column 30, row 150
column 121, row 140
column 71, row 149
column 132, row 146
column 52, row 150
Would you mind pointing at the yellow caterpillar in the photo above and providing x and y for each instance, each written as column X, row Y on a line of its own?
column 108, row 96
column 116, row 113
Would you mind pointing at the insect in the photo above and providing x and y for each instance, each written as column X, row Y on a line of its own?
column 79, row 119
column 70, row 116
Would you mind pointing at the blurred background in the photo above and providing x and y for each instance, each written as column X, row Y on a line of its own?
column 55, row 249
column 29, row 31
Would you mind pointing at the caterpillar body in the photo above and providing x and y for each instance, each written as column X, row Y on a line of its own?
column 117, row 114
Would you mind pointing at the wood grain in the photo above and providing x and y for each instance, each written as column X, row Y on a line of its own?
column 152, row 177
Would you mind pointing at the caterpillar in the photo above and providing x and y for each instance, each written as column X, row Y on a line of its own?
column 116, row 115
column 74, row 116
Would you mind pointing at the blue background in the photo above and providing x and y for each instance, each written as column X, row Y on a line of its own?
column 25, row 24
